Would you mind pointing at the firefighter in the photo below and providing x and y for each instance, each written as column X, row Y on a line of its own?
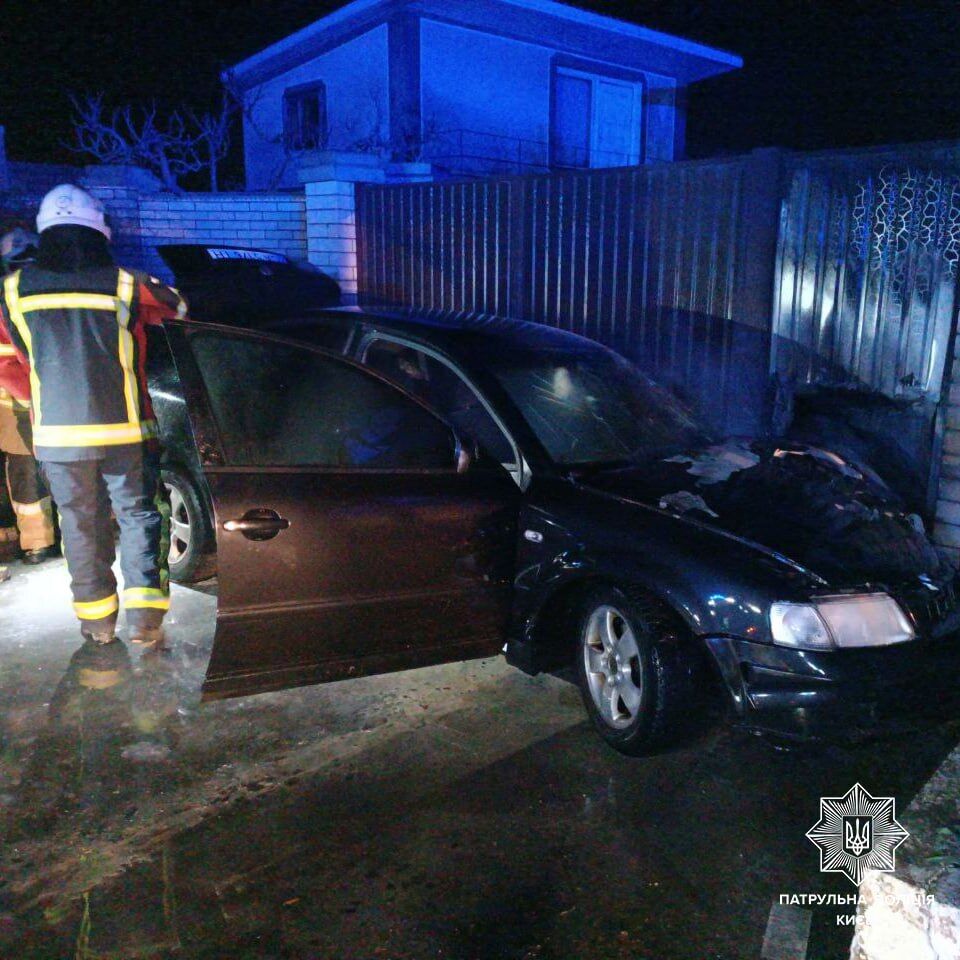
column 29, row 497
column 77, row 325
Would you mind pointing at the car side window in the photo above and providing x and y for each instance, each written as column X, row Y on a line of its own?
column 442, row 389
column 277, row 404
column 330, row 333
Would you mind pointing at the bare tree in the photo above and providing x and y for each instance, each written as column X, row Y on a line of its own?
column 410, row 139
column 216, row 135
column 169, row 146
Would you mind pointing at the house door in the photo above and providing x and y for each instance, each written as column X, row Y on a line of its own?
column 596, row 120
column 616, row 139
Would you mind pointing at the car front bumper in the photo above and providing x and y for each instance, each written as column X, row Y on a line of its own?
column 841, row 694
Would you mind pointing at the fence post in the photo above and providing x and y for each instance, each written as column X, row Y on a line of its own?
column 761, row 193
column 331, row 212
column 519, row 254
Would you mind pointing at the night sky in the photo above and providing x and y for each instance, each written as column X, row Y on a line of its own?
column 879, row 72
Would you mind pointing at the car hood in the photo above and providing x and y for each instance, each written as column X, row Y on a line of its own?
column 833, row 516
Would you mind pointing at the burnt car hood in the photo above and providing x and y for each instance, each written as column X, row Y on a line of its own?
column 833, row 516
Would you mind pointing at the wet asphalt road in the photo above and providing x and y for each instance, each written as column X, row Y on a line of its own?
column 464, row 811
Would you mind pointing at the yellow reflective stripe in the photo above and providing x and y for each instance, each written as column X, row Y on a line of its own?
column 6, row 350
column 95, row 435
column 10, row 402
column 97, row 609
column 125, row 344
column 145, row 598
column 11, row 293
column 144, row 593
column 68, row 301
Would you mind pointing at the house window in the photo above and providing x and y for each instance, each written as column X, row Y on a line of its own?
column 596, row 120
column 305, row 117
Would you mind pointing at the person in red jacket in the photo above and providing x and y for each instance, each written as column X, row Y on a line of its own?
column 29, row 497
column 73, row 344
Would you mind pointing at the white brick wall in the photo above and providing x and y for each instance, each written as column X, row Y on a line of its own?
column 947, row 528
column 122, row 205
column 332, row 232
column 141, row 221
column 273, row 221
column 318, row 224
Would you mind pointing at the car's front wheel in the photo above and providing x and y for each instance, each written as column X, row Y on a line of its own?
column 633, row 669
column 192, row 556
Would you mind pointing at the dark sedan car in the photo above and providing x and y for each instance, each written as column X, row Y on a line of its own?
column 245, row 285
column 391, row 492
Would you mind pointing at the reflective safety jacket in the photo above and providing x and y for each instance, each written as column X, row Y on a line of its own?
column 14, row 424
column 75, row 345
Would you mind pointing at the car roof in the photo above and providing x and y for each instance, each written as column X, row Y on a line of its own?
column 457, row 332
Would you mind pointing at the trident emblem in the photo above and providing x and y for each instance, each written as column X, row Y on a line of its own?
column 856, row 832
column 857, row 835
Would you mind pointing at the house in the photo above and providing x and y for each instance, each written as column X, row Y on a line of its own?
column 472, row 87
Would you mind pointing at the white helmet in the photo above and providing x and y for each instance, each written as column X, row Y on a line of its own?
column 67, row 204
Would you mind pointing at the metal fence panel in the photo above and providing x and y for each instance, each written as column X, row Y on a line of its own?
column 734, row 281
column 867, row 269
column 641, row 259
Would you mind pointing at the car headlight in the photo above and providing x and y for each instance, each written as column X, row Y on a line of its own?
column 866, row 620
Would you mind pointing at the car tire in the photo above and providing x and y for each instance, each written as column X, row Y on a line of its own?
column 634, row 669
column 193, row 548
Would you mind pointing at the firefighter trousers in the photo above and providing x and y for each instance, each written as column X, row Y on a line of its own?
column 30, row 501
column 127, row 479
column 29, row 496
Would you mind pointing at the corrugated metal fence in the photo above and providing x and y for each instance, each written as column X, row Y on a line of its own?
column 739, row 281
column 866, row 269
column 652, row 260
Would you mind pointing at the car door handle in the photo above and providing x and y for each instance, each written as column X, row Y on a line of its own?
column 259, row 524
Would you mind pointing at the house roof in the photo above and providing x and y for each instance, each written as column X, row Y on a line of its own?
column 544, row 22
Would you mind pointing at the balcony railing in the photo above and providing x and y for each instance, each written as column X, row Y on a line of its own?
column 473, row 153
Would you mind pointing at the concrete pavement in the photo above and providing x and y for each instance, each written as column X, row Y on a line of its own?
column 463, row 811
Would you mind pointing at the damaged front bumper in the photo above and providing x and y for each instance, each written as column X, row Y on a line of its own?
column 841, row 694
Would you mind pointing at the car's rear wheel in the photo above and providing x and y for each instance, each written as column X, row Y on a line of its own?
column 633, row 669
column 192, row 555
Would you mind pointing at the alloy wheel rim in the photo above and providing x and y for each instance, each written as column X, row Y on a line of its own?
column 611, row 659
column 180, row 531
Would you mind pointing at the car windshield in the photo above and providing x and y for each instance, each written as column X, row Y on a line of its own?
column 590, row 407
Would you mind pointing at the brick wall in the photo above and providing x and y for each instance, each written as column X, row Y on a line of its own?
column 143, row 218
column 274, row 221
column 123, row 207
column 332, row 232
column 36, row 179
column 947, row 531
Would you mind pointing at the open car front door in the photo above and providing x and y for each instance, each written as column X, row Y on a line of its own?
column 350, row 539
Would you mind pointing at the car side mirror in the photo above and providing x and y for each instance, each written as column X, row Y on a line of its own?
column 471, row 455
